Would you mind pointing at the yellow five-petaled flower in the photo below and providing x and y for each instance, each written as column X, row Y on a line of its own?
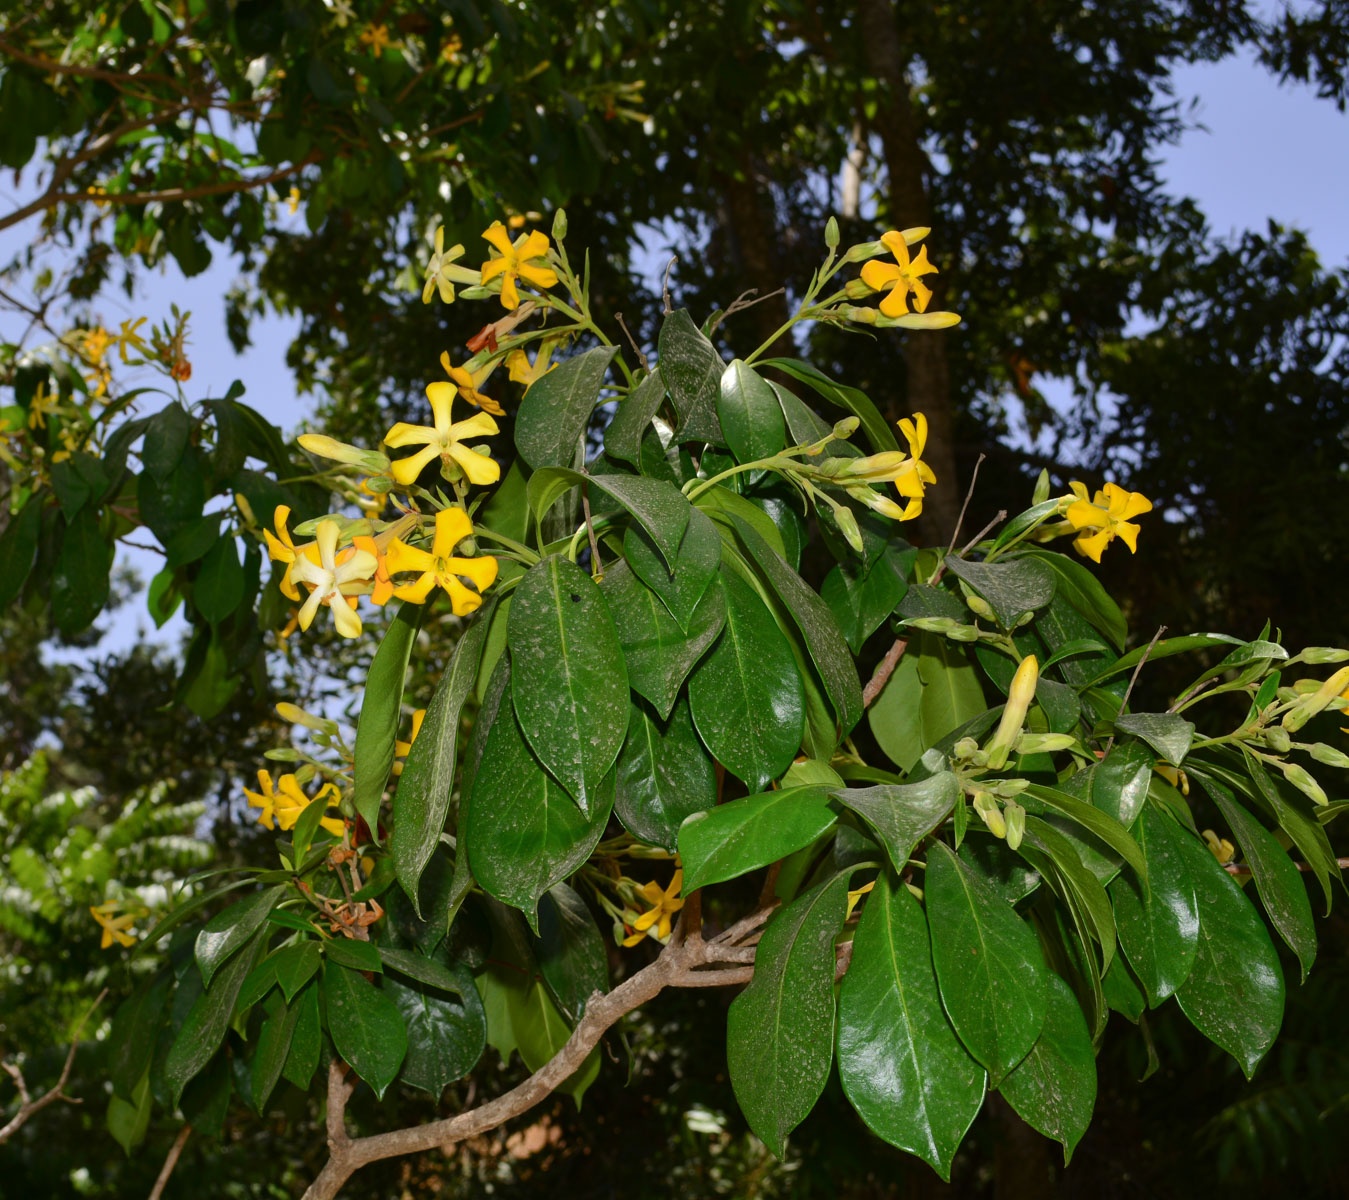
column 336, row 580
column 445, row 439
column 117, row 918
column 1106, row 517
column 514, row 262
column 282, row 805
column 903, row 275
column 656, row 922
column 441, row 568
column 470, row 383
column 439, row 277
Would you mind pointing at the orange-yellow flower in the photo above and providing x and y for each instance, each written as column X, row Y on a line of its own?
column 445, row 438
column 402, row 749
column 383, row 588
column 1104, row 518
column 522, row 371
column 117, row 918
column 334, row 579
column 468, row 382
column 280, row 806
column 515, row 262
column 657, row 921
column 901, row 277
column 377, row 38
column 282, row 549
column 439, row 567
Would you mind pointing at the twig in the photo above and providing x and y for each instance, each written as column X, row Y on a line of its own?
column 632, row 341
column 1138, row 666
column 170, row 1161
column 960, row 520
column 27, row 1106
column 876, row 684
column 665, row 287
column 1234, row 868
column 978, row 537
column 1188, row 695
column 740, row 303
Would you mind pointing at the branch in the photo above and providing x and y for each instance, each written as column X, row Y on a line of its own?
column 28, row 1107
column 685, row 962
column 170, row 1161
column 876, row 684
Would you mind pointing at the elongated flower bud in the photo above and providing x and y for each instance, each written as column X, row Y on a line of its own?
column 326, row 447
column 1019, row 699
column 1015, row 816
column 1329, row 755
column 1304, row 783
column 991, row 814
column 1277, row 739
column 830, row 233
column 1317, row 655
column 1043, row 743
column 1315, row 702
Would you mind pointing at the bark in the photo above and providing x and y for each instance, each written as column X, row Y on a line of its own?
column 929, row 389
column 754, row 241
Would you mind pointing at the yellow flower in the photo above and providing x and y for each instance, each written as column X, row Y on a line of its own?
column 438, row 274
column 99, row 380
column 293, row 200
column 1222, row 849
column 1174, row 776
column 656, row 921
column 280, row 807
column 377, row 38
column 445, row 439
column 1106, row 517
column 514, row 262
column 855, row 898
column 128, row 339
column 117, row 918
column 468, row 383
column 440, row 568
column 335, row 580
column 914, row 474
column 70, row 442
column 42, row 403
column 402, row 749
column 342, row 13
column 95, row 344
column 282, row 549
column 521, row 371
column 901, row 277
column 449, row 52
column 383, row 588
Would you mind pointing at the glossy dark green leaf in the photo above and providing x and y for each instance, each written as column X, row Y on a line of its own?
column 1122, row 991
column 446, row 1034
column 569, row 684
column 570, row 951
column 128, row 1119
column 429, row 971
column 988, row 964
column 861, row 596
column 359, row 956
column 780, row 1029
column 901, row 815
column 932, row 692
column 746, row 694
column 1158, row 918
column 219, row 585
column 1306, row 833
column 752, row 832
column 828, row 649
column 272, row 1050
column 1119, row 785
column 523, row 833
column 692, row 370
column 623, row 438
column 306, row 1040
column 295, row 966
column 1080, row 588
column 166, row 438
column 876, row 427
column 1234, row 994
column 422, row 801
column 695, row 566
column 1058, row 860
column 750, row 416
column 1013, row 587
column 1002, row 869
column 230, row 929
column 663, row 775
column 724, row 507
column 1163, row 649
column 899, row 1060
column 193, row 540
column 18, row 549
column 366, row 1027
column 1278, row 881
column 659, row 654
column 167, row 504
column 1169, row 734
column 556, row 409
column 79, row 586
column 206, row 1099
column 1053, row 1089
column 1110, row 831
column 131, row 1041
column 381, row 708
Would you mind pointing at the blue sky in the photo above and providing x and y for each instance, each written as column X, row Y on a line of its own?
column 1263, row 151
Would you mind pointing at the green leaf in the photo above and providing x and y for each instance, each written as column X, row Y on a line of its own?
column 424, row 970
column 556, row 409
column 422, row 801
column 695, row 566
column 623, row 438
column 1158, row 919
column 131, row 1041
column 207, row 1020
column 359, row 956
column 1303, row 830
column 828, row 649
column 569, row 684
column 724, row 507
column 446, row 1034
column 306, row 1041
column 934, row 691
column 273, row 1048
column 167, row 504
column 570, row 951
column 780, row 1029
column 900, row 1062
column 750, row 416
column 901, row 815
column 663, row 775
column 988, row 964
column 657, row 504
column 1110, row 831
column 1053, row 1089
column 79, row 587
column 659, row 654
column 294, row 966
column 746, row 695
column 743, row 835
column 692, row 370
column 1169, row 734
column 1119, row 784
column 166, row 438
column 1080, row 588
column 1058, row 859
column 861, row 595
column 366, row 1027
column 381, row 706
column 230, row 929
column 219, row 585
column 876, row 427
column 523, row 833
column 1012, row 588
column 1276, row 878
column 18, row 549
column 128, row 1120
column 1121, row 990
column 1163, row 649
column 1234, row 994
column 206, row 1099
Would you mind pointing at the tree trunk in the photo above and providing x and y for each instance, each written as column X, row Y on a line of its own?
column 754, row 235
column 929, row 390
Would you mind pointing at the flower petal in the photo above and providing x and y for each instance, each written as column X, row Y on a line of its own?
column 452, row 527
column 480, row 469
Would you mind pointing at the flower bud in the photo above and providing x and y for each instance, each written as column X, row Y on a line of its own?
column 1019, row 698
column 964, row 748
column 858, row 289
column 283, row 754
column 1007, row 788
column 1043, row 743
column 1315, row 702
column 931, row 624
column 927, row 320
column 845, row 428
column 991, row 814
column 245, row 509
column 1277, row 739
column 294, row 714
column 1041, row 493
column 963, row 633
column 859, row 316
column 979, row 606
column 559, row 224
column 831, row 233
column 1221, row 848
column 380, row 485
column 305, row 774
column 326, row 447
column 1303, row 781
column 863, row 251
column 1317, row 655
column 1329, row 755
column 1015, row 816
column 847, row 526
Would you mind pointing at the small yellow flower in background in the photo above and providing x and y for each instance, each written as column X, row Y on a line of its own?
column 95, row 343
column 42, row 404
column 98, row 381
column 342, row 13
column 657, row 921
column 522, row 371
column 450, row 51
column 97, row 190
column 438, row 276
column 440, row 568
column 293, row 200
column 70, row 442
column 376, row 37
column 445, row 439
column 1222, row 849
column 515, row 262
column 1174, row 776
column 128, row 339
column 902, row 276
column 854, row 898
column 282, row 549
column 469, row 383
column 336, row 581
column 1106, row 517
column 402, row 749
column 117, row 918
column 280, row 807
column 516, row 221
